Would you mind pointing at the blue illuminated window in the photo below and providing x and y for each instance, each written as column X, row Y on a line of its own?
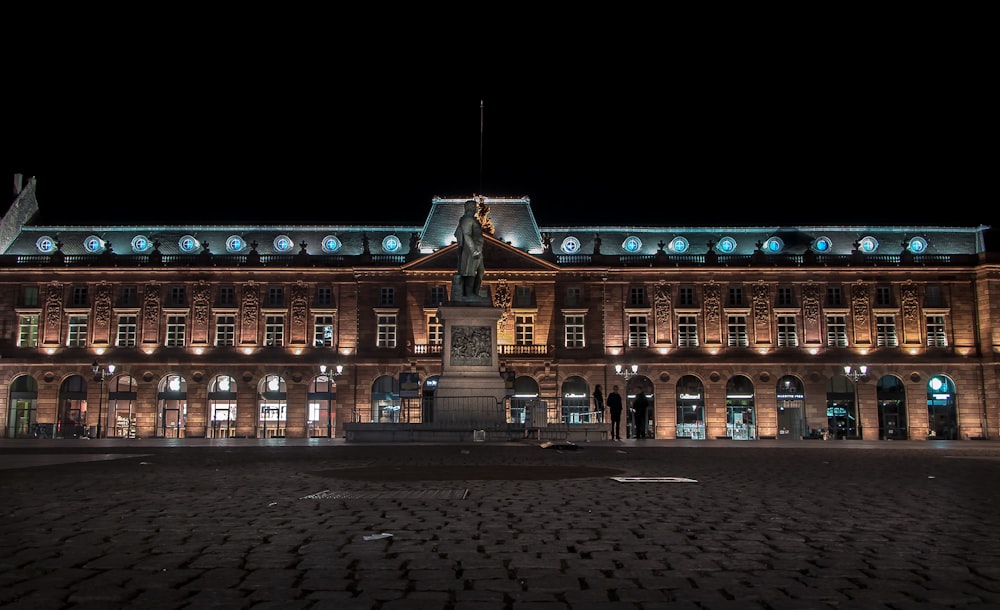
column 331, row 244
column 282, row 243
column 141, row 243
column 187, row 244
column 774, row 245
column 917, row 245
column 822, row 244
column 570, row 245
column 45, row 244
column 726, row 245
column 632, row 244
column 868, row 244
column 235, row 244
column 391, row 243
column 678, row 245
column 93, row 244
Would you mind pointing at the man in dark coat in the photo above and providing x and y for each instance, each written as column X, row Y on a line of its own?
column 640, row 405
column 615, row 407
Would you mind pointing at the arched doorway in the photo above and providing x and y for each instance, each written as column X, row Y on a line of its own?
column 690, row 408
column 942, row 412
column 841, row 408
column 525, row 407
column 272, row 407
column 22, row 415
column 385, row 400
column 172, row 405
column 122, row 396
column 321, row 420
column 222, row 406
column 741, row 424
column 633, row 387
column 891, row 396
column 71, row 419
column 790, row 396
column 575, row 401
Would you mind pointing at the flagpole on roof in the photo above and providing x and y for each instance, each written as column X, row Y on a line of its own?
column 480, row 146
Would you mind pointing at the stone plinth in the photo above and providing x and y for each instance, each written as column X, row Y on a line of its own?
column 470, row 364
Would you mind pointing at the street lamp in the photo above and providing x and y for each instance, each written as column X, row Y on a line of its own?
column 627, row 373
column 856, row 374
column 100, row 374
column 328, row 372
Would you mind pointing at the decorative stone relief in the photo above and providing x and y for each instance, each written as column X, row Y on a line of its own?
column 300, row 301
column 53, row 304
column 760, row 303
column 151, row 304
column 661, row 302
column 910, row 301
column 713, row 302
column 102, row 305
column 251, row 307
column 200, row 300
column 860, row 302
column 810, row 302
column 502, row 300
column 471, row 345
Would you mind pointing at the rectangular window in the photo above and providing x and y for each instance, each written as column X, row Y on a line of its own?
column 323, row 331
column 574, row 296
column 735, row 297
column 787, row 334
column 785, row 298
column 227, row 296
column 836, row 331
column 885, row 328
column 936, row 336
column 883, row 296
column 387, row 297
column 386, row 330
column 27, row 335
column 127, row 325
column 687, row 331
column 77, row 331
column 685, row 296
column 324, row 296
column 275, row 296
column 638, row 330
column 128, row 296
column 435, row 330
column 523, row 297
column 437, row 295
column 176, row 327
column 178, row 296
column 574, row 331
column 79, row 298
column 637, row 296
column 274, row 330
column 738, row 331
column 225, row 331
column 524, row 329
column 834, row 297
column 30, row 296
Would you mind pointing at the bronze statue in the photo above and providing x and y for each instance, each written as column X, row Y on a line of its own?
column 469, row 234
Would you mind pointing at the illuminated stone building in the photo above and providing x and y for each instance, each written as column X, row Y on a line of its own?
column 735, row 332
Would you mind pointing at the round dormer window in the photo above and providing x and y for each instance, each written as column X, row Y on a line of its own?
column 678, row 245
column 632, row 244
column 917, row 245
column 391, row 243
column 868, row 245
column 45, row 244
column 188, row 244
column 283, row 243
column 140, row 244
column 822, row 245
column 331, row 244
column 726, row 245
column 774, row 245
column 235, row 244
column 570, row 245
column 93, row 244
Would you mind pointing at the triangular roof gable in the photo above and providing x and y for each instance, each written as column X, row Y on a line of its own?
column 497, row 255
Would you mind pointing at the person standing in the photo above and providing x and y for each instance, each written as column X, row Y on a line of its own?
column 615, row 407
column 640, row 404
column 599, row 403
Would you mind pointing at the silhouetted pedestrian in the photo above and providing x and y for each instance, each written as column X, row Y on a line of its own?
column 640, row 404
column 599, row 403
column 615, row 407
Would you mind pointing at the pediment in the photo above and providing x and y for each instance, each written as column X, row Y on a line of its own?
column 497, row 256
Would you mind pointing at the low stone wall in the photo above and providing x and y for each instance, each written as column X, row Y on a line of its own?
column 421, row 433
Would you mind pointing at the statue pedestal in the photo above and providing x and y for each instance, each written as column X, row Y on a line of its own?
column 470, row 390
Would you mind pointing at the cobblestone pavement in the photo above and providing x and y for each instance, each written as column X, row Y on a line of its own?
column 303, row 524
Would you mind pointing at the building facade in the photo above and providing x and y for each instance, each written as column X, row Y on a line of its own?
column 856, row 332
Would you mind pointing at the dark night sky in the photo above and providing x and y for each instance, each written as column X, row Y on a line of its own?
column 758, row 135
